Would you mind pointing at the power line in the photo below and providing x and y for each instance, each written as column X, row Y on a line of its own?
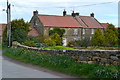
column 69, row 6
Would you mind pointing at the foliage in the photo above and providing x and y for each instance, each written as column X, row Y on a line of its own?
column 57, row 30
column 57, row 39
column 65, row 63
column 71, row 44
column 19, row 31
column 29, row 43
column 98, row 38
column 42, row 38
column 83, row 43
column 111, row 36
column 59, row 47
column 50, row 42
column 34, row 39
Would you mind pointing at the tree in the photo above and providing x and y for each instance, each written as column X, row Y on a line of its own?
column 57, row 30
column 111, row 35
column 58, row 40
column 98, row 38
column 19, row 31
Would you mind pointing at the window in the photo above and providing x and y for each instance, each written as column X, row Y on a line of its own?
column 36, row 23
column 83, row 31
column 90, row 37
column 83, row 37
column 92, row 31
column 75, row 39
column 51, row 28
column 65, row 32
column 75, row 31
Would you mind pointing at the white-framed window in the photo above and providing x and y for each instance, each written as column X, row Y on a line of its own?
column 83, row 37
column 92, row 31
column 51, row 28
column 83, row 31
column 75, row 39
column 75, row 31
column 90, row 37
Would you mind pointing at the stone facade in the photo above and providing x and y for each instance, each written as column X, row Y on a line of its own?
column 85, row 29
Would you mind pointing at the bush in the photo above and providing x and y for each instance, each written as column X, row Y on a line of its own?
column 50, row 42
column 34, row 39
column 71, row 44
column 29, row 43
column 83, row 43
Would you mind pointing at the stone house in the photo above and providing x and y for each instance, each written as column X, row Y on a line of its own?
column 76, row 26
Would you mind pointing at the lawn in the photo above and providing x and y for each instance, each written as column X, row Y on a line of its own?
column 59, row 48
column 64, row 63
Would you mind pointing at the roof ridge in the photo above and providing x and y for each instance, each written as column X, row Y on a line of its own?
column 51, row 15
column 99, row 23
column 84, row 22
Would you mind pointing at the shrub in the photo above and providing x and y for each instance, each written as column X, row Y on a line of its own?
column 29, row 43
column 71, row 44
column 50, row 42
column 57, row 39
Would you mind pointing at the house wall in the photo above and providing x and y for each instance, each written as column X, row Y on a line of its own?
column 36, row 22
column 69, row 33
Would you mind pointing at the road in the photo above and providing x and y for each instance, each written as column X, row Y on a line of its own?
column 16, row 69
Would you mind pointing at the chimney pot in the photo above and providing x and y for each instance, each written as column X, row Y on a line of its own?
column 92, row 14
column 35, row 12
column 64, row 13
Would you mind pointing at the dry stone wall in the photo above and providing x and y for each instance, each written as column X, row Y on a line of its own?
column 104, row 57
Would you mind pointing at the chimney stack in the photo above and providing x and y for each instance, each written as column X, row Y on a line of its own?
column 73, row 14
column 92, row 14
column 35, row 12
column 64, row 13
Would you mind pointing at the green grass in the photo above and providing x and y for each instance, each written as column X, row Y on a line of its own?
column 59, row 48
column 64, row 63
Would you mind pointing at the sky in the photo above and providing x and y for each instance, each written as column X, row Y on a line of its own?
column 106, row 11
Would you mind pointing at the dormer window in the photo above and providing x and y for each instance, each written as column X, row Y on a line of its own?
column 92, row 31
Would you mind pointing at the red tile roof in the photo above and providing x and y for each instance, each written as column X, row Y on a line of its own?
column 105, row 25
column 33, row 32
column 2, row 27
column 58, row 21
column 91, row 22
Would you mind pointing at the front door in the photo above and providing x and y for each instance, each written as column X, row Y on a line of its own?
column 64, row 42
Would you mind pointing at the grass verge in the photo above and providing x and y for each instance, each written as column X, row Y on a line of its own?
column 64, row 63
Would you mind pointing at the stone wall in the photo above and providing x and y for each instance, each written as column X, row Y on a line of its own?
column 104, row 57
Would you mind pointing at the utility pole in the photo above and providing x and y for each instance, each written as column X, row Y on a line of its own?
column 9, row 23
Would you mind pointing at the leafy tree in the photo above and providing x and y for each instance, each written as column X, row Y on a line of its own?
column 19, row 31
column 98, row 38
column 56, row 37
column 57, row 30
column 111, row 36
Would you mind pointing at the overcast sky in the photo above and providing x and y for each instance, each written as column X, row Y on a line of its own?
column 104, row 10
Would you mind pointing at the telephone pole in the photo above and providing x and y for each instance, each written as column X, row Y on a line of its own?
column 9, row 23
